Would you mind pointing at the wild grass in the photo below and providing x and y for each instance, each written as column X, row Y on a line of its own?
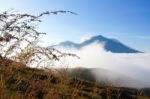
column 32, row 83
column 19, row 51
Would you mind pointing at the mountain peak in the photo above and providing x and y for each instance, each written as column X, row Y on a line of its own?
column 98, row 38
column 111, row 45
column 68, row 44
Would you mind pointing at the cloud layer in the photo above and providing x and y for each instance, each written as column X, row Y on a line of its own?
column 135, row 66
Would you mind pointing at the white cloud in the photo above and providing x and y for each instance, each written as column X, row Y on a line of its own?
column 86, row 37
column 136, row 66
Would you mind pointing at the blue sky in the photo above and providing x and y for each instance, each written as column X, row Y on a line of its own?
column 125, row 20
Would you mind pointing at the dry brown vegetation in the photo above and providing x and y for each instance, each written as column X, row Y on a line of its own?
column 19, row 50
column 31, row 83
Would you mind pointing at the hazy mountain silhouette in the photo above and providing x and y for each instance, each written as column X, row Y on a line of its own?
column 111, row 45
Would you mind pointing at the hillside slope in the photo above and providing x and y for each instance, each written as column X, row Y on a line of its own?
column 21, row 82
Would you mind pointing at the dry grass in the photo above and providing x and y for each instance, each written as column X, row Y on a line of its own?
column 17, row 81
column 30, row 83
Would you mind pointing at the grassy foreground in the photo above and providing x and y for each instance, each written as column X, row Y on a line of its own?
column 21, row 82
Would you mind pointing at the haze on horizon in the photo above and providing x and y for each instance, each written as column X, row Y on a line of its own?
column 131, row 69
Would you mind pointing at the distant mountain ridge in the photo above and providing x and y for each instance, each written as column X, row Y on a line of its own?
column 111, row 45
